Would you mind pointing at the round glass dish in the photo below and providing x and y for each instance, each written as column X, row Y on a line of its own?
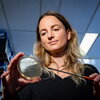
column 29, row 67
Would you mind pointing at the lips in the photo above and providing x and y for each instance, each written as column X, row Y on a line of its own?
column 53, row 42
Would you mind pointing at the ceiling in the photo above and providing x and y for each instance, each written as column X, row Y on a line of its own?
column 19, row 19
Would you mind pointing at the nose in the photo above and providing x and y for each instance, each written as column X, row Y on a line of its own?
column 50, row 35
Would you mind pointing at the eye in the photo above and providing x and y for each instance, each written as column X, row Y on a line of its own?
column 56, row 29
column 43, row 33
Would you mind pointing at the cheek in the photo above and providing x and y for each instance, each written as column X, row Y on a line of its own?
column 43, row 42
column 63, row 39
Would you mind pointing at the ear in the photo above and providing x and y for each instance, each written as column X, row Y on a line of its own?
column 68, row 34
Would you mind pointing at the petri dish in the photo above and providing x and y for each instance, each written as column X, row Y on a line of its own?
column 29, row 67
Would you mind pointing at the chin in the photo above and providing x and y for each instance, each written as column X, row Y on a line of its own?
column 54, row 50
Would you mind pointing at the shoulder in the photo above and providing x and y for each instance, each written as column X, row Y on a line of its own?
column 90, row 69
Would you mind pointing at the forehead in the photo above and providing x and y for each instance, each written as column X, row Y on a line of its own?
column 49, row 21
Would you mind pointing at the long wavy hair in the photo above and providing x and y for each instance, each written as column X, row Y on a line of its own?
column 72, row 53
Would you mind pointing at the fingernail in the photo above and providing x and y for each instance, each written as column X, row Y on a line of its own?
column 22, row 53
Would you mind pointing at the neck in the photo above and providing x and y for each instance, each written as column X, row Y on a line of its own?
column 58, row 58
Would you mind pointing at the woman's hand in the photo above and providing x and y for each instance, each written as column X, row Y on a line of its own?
column 96, row 78
column 12, row 80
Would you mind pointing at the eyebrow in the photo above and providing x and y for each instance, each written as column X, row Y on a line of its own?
column 55, row 25
column 51, row 27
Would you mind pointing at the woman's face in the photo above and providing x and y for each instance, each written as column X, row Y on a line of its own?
column 53, row 35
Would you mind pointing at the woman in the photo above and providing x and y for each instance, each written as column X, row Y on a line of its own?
column 57, row 48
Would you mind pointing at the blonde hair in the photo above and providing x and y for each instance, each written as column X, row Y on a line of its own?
column 72, row 52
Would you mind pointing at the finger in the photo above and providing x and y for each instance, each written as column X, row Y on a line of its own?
column 3, row 78
column 14, row 60
column 36, row 79
column 22, row 81
column 93, row 75
column 26, row 81
column 97, row 79
column 4, row 74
